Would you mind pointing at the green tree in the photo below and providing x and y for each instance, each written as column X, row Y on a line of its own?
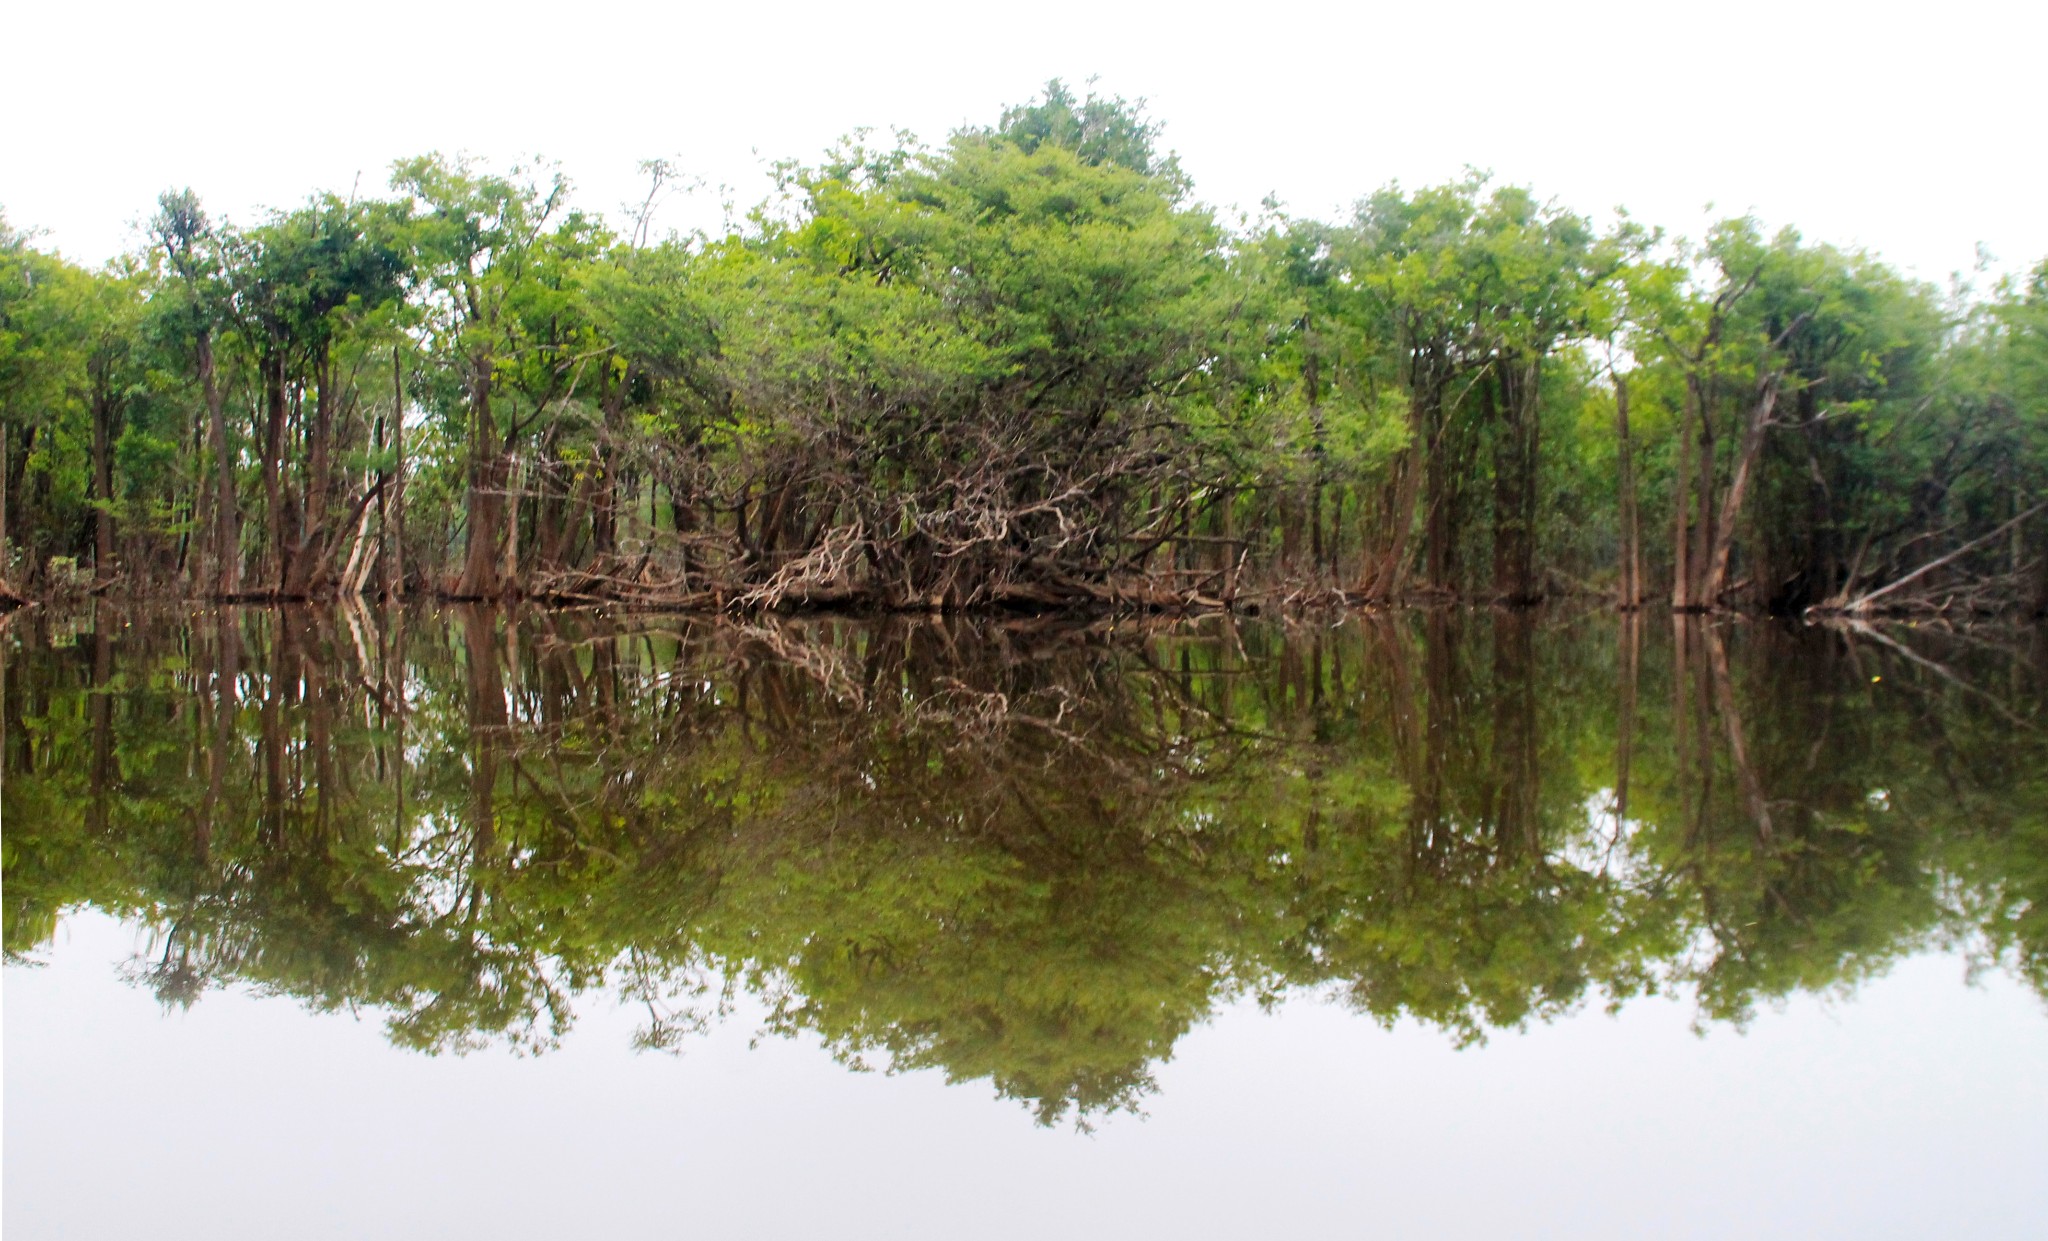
column 479, row 238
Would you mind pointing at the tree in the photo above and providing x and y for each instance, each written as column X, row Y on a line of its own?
column 305, row 285
column 1022, row 367
column 195, row 309
column 39, row 360
column 107, row 314
column 478, row 238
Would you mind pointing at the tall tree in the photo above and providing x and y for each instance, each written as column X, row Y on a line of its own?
column 182, row 231
column 479, row 238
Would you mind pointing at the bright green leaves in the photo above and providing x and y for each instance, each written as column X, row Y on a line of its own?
column 951, row 361
column 1025, row 363
column 1074, row 285
column 1098, row 130
column 299, row 275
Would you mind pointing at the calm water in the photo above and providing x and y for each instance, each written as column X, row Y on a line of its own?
column 542, row 925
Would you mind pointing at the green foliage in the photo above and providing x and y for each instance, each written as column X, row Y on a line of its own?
column 1023, row 366
column 1097, row 130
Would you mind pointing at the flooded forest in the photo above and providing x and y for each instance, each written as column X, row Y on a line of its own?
column 990, row 611
column 1025, row 368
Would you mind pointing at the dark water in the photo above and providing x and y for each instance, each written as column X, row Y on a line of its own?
column 1445, row 924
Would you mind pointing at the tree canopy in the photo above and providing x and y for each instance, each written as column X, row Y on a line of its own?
column 1022, row 367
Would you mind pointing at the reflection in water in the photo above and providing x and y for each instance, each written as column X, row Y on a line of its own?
column 1032, row 853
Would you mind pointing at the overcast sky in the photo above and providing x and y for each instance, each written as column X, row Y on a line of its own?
column 1913, row 130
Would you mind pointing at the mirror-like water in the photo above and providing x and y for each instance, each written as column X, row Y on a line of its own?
column 1071, row 866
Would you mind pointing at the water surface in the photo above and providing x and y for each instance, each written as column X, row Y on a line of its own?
column 1440, row 924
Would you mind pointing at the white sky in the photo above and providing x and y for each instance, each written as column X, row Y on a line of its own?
column 1914, row 130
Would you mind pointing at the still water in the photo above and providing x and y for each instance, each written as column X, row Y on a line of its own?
column 334, row 924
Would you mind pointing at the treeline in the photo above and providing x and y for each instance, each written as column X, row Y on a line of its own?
column 1023, row 368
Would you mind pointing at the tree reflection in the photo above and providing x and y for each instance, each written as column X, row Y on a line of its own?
column 1027, row 852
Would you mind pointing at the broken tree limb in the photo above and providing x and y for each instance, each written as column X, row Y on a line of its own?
column 1863, row 603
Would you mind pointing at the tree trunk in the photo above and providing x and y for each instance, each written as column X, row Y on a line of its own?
column 1336, row 543
column 486, row 501
column 2041, row 573
column 1753, row 433
column 273, row 486
column 382, row 441
column 1631, row 531
column 1515, row 446
column 394, row 546
column 1681, row 502
column 1704, row 524
column 1438, row 532
column 1312, row 380
column 1227, row 518
column 227, row 521
column 604, row 494
column 508, row 565
column 102, row 486
column 6, row 441
column 317, row 538
column 1397, row 508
